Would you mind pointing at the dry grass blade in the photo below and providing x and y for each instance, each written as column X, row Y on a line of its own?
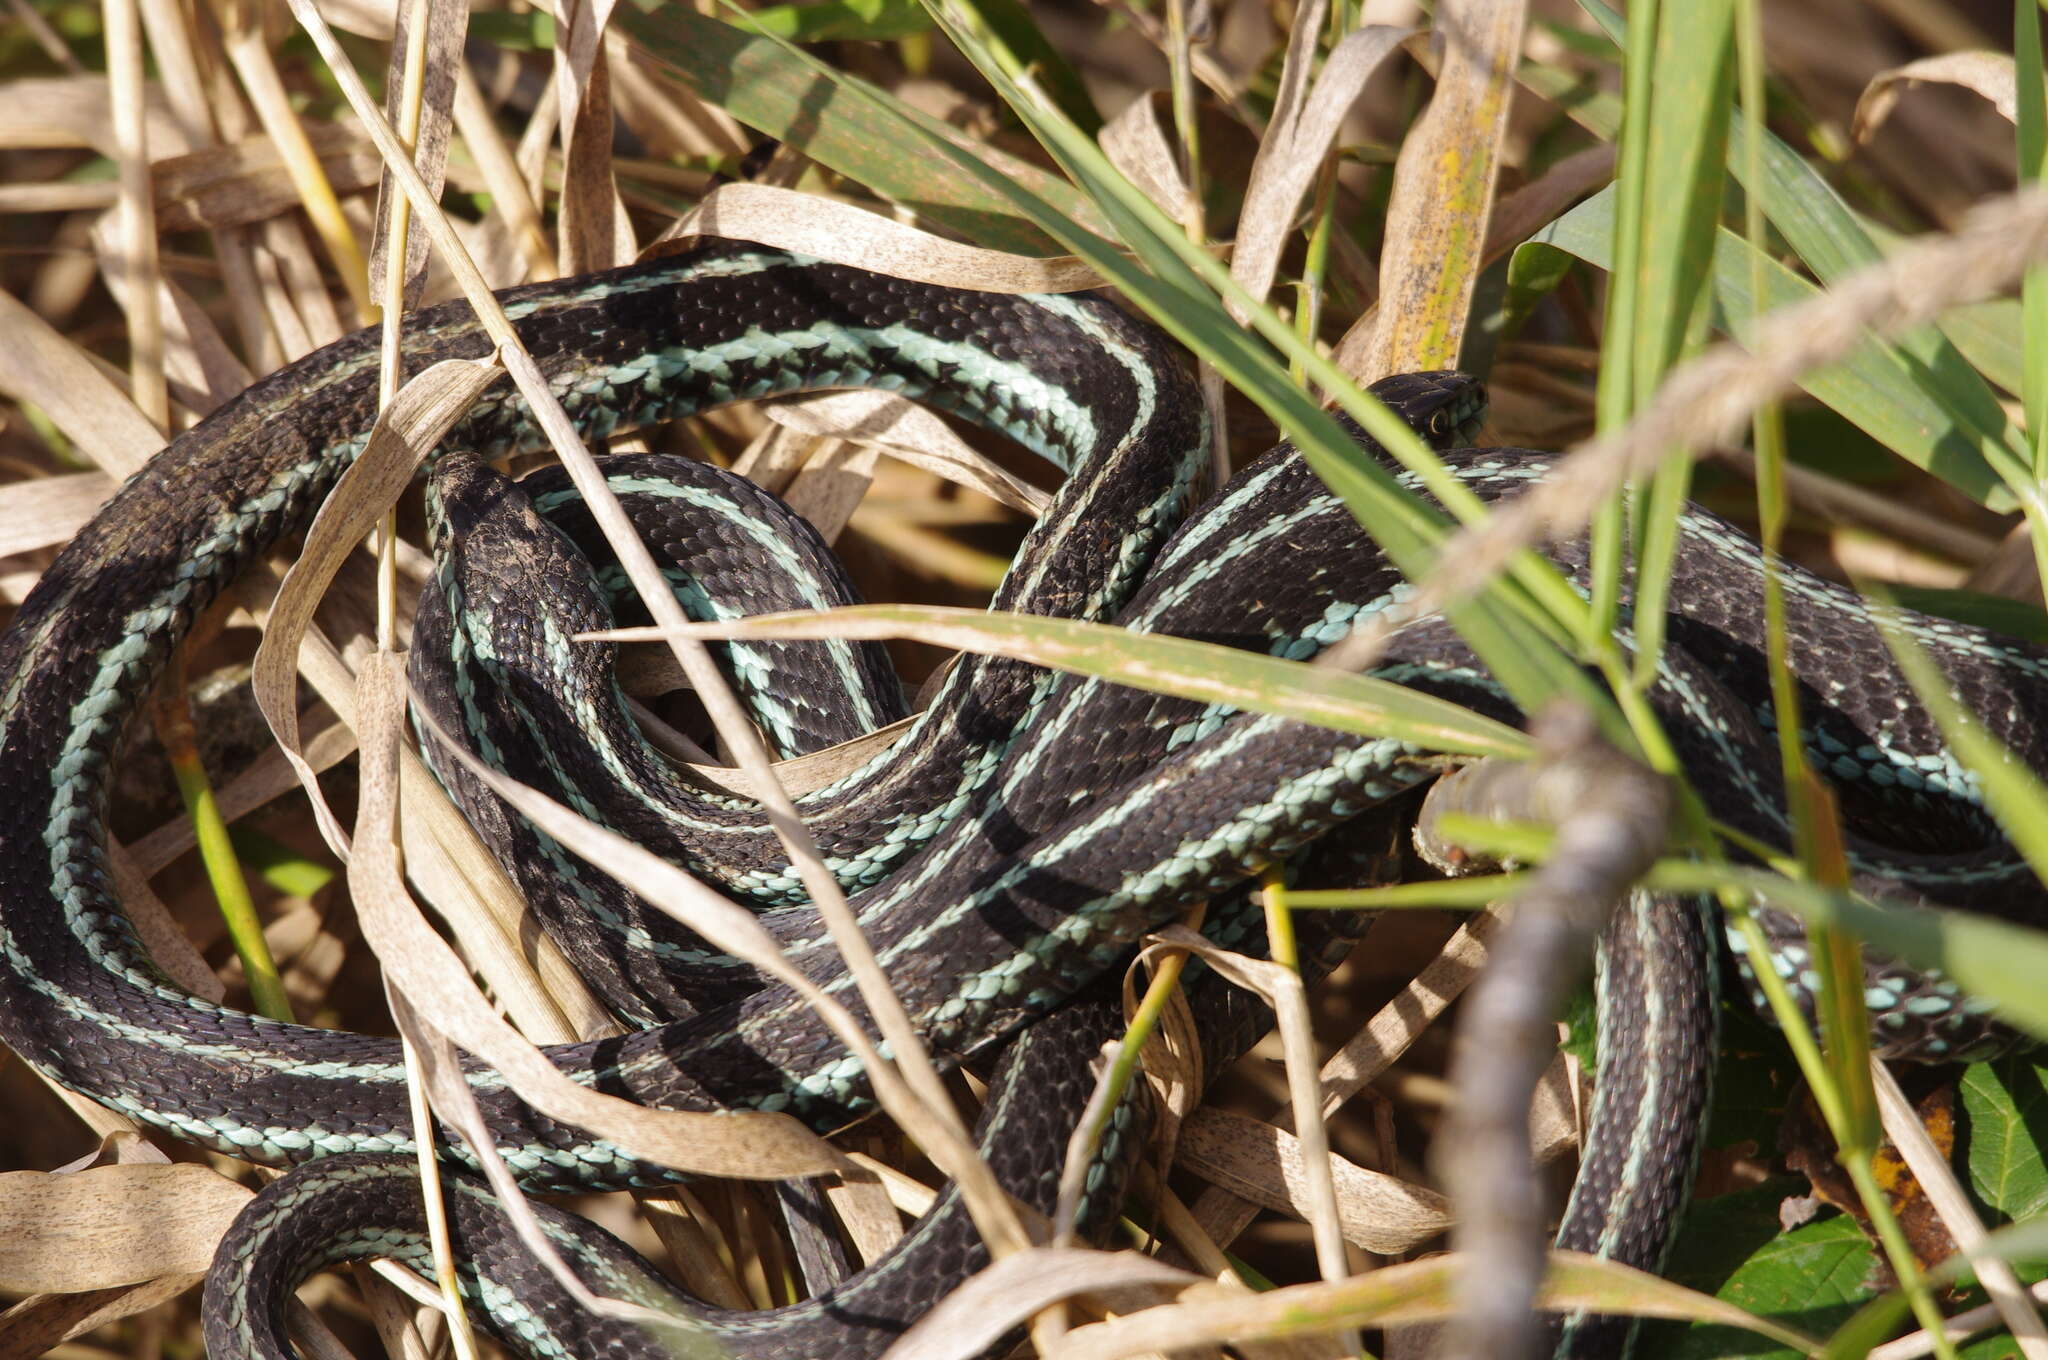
column 841, row 233
column 594, row 229
column 951, row 1146
column 1378, row 1213
column 49, row 510
column 1281, row 988
column 908, row 432
column 76, row 111
column 453, row 1101
column 110, row 1226
column 419, row 964
column 420, row 90
column 989, row 1304
column 1419, row 1291
column 271, row 776
column 248, row 50
column 166, row 940
column 138, row 271
column 41, row 1322
column 74, row 149
column 38, row 365
column 509, row 194
column 1302, row 133
column 1160, row 662
column 1137, row 143
column 736, row 931
column 1443, row 191
column 405, row 433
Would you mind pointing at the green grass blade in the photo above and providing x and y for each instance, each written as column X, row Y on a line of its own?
column 1205, row 671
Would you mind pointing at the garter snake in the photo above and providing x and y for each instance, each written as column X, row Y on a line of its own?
column 1000, row 862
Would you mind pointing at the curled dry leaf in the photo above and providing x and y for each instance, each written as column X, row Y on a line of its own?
column 1005, row 1295
column 42, row 1321
column 111, row 1225
column 419, row 90
column 1988, row 73
column 1281, row 988
column 593, row 228
column 1378, row 1212
column 843, row 234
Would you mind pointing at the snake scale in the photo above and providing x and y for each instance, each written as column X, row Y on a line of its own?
column 1002, row 855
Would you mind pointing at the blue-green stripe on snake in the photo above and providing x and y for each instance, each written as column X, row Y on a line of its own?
column 1004, row 853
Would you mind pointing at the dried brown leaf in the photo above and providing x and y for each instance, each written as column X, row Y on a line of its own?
column 1443, row 191
column 1301, row 135
column 1006, row 1294
column 46, row 511
column 1987, row 73
column 843, row 234
column 908, row 432
column 39, row 365
column 404, row 435
column 111, row 1225
column 1379, row 1213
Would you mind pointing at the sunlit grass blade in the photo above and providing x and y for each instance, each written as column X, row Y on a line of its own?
column 1204, row 671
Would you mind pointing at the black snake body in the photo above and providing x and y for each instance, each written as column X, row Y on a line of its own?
column 1004, row 853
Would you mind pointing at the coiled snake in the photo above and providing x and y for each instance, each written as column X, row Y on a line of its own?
column 1004, row 853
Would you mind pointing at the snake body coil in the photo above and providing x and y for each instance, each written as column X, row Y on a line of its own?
column 1003, row 854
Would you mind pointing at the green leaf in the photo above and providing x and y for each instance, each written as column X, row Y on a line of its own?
column 534, row 32
column 1834, row 242
column 1180, row 288
column 1810, row 1278
column 2007, row 1101
column 1535, row 269
column 1994, row 960
column 1756, row 1076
